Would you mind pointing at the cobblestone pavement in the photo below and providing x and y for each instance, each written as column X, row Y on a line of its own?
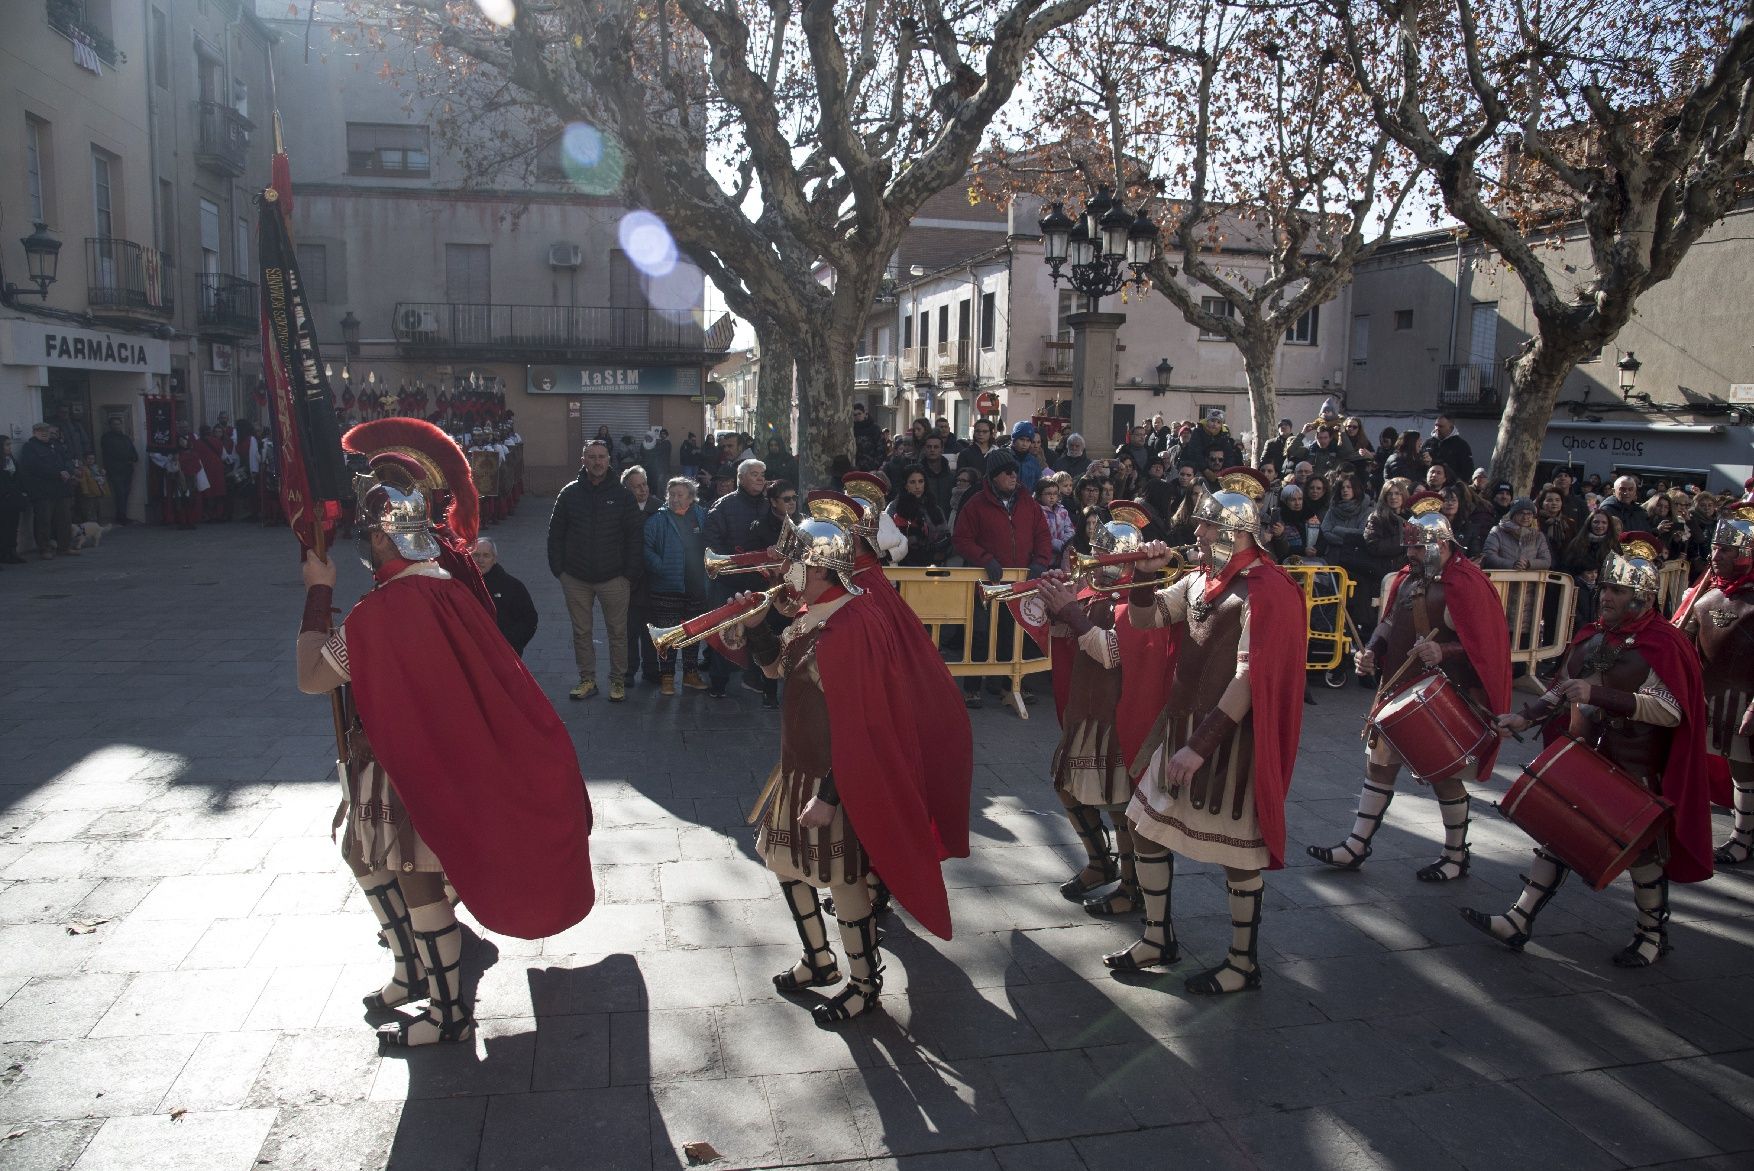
column 182, row 954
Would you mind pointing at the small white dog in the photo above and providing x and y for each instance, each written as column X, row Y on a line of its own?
column 88, row 534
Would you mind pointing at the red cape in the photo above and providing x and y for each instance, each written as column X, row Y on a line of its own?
column 903, row 751
column 1147, row 671
column 1481, row 625
column 488, row 772
column 212, row 458
column 1672, row 656
column 1278, row 635
column 1717, row 768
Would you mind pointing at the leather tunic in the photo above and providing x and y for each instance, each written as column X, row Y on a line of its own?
column 805, row 748
column 1638, row 747
column 1205, row 665
column 1723, row 630
column 1094, row 689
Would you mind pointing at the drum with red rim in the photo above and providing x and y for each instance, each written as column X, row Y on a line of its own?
column 1591, row 815
column 1433, row 728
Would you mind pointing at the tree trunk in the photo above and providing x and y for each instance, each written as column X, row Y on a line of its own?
column 1536, row 378
column 825, row 405
column 1259, row 357
column 773, row 394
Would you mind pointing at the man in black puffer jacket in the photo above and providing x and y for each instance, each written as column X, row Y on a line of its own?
column 596, row 547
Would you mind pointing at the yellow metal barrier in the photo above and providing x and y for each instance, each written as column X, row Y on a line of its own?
column 1526, row 596
column 947, row 598
column 1672, row 586
column 1326, row 590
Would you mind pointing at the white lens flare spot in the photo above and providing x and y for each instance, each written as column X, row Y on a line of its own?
column 647, row 243
column 500, row 12
column 676, row 294
column 582, row 144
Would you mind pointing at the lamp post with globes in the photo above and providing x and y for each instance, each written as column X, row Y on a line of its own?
column 1105, row 249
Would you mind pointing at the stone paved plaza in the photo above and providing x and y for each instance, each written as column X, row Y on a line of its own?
column 182, row 953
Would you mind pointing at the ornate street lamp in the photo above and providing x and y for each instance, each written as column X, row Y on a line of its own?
column 1629, row 367
column 1104, row 249
column 42, row 255
column 1164, row 370
column 350, row 334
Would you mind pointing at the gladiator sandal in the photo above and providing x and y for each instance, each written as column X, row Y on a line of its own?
column 864, row 973
column 1373, row 802
column 1125, row 898
column 1094, row 834
column 395, row 931
column 447, row 1017
column 1158, row 947
column 1650, row 939
column 1245, row 929
column 1514, row 927
column 817, row 969
column 1740, row 845
column 1456, row 855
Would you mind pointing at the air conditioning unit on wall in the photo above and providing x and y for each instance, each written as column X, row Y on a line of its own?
column 419, row 321
column 565, row 255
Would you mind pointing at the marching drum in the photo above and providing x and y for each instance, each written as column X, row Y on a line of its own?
column 1433, row 728
column 1592, row 816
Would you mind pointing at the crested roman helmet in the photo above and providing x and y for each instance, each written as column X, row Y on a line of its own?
column 1735, row 529
column 1635, row 564
column 826, row 536
column 1123, row 532
column 1234, row 508
column 1426, row 524
column 870, row 491
column 414, row 471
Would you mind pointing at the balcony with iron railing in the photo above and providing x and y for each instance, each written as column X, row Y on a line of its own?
column 955, row 358
column 555, row 332
column 228, row 304
column 120, row 274
column 222, row 139
column 1056, row 358
column 913, row 360
column 875, row 368
column 1470, row 388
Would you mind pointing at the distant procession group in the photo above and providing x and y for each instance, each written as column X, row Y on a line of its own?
column 1180, row 696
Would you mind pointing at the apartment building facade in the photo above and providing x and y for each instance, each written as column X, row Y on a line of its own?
column 1434, row 319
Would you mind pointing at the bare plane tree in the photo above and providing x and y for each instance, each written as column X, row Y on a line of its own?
column 785, row 145
column 1626, row 122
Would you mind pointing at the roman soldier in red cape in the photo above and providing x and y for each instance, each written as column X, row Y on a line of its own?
column 1090, row 764
column 1221, row 753
column 211, row 451
column 1718, row 615
column 1440, row 615
column 861, row 785
column 459, row 767
column 1630, row 689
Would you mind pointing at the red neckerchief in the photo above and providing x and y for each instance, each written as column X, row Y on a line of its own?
column 1730, row 585
column 1240, row 560
column 390, row 569
column 1624, row 633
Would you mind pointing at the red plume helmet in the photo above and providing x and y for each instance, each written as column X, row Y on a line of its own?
column 442, row 464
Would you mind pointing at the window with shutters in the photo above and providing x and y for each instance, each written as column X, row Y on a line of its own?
column 387, row 149
column 36, row 167
column 989, row 320
column 1304, row 333
column 313, row 270
column 467, row 280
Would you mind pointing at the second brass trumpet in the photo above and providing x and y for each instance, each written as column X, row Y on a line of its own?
column 752, row 562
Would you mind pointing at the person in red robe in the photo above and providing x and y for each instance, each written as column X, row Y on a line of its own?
column 1221, row 754
column 1630, row 689
column 860, row 785
column 458, row 767
column 1718, row 615
column 1440, row 615
column 210, row 449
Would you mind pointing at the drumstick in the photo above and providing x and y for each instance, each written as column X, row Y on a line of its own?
column 1387, row 689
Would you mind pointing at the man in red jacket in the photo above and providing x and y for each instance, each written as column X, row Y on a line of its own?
column 1000, row 528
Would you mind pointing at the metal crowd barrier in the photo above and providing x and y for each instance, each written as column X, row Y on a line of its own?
column 1540, row 629
column 1672, row 586
column 1326, row 590
column 946, row 599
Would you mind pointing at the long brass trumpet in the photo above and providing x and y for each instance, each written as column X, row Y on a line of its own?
column 1086, row 566
column 703, row 627
column 751, row 562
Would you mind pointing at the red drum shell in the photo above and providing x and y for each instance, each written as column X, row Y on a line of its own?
column 1433, row 729
column 1588, row 813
